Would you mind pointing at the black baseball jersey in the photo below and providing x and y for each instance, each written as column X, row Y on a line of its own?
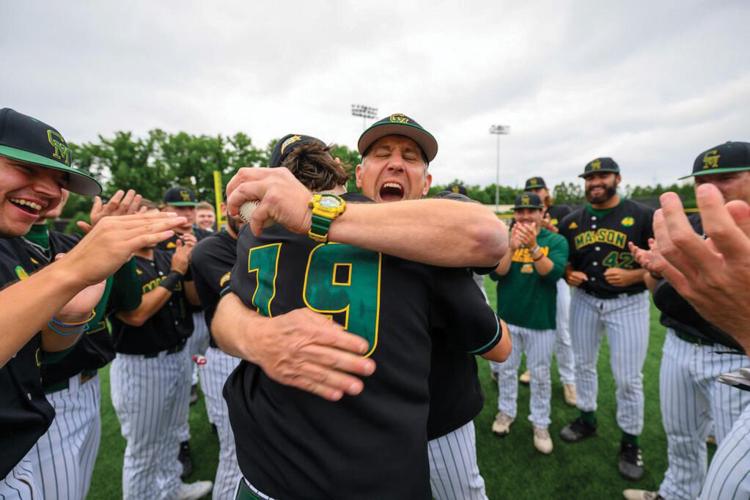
column 455, row 392
column 292, row 444
column 678, row 314
column 211, row 264
column 598, row 240
column 25, row 414
column 557, row 213
column 170, row 326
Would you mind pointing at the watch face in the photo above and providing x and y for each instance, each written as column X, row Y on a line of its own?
column 329, row 202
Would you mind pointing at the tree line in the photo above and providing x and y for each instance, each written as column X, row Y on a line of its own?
column 160, row 160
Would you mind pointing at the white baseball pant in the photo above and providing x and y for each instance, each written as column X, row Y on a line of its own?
column 626, row 320
column 691, row 399
column 538, row 346
column 214, row 374
column 454, row 472
column 65, row 455
column 148, row 397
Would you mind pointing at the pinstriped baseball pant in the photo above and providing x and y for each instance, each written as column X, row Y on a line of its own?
column 566, row 365
column 538, row 346
column 626, row 321
column 729, row 474
column 21, row 483
column 148, row 397
column 64, row 456
column 454, row 472
column 197, row 343
column 691, row 398
column 214, row 374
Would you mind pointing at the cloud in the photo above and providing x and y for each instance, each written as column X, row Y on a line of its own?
column 651, row 84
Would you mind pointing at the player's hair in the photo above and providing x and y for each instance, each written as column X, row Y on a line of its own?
column 313, row 165
column 204, row 205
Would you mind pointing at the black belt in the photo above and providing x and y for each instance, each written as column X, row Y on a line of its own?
column 177, row 348
column 599, row 294
column 692, row 339
column 85, row 375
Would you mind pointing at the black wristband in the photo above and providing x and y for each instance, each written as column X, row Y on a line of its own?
column 171, row 280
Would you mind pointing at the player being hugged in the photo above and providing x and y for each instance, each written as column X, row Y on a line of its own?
column 609, row 294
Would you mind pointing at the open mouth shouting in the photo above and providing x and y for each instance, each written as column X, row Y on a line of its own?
column 391, row 191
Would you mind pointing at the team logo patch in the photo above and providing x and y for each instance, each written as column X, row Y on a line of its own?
column 573, row 225
column 289, row 142
column 711, row 159
column 398, row 118
column 21, row 273
column 184, row 195
column 596, row 165
column 171, row 245
column 138, row 272
column 627, row 221
column 455, row 189
column 534, row 182
column 62, row 151
column 525, row 200
column 527, row 269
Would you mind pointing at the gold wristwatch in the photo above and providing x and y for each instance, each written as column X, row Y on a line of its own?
column 325, row 209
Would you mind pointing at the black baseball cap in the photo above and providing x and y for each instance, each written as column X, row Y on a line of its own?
column 605, row 164
column 727, row 157
column 180, row 197
column 528, row 200
column 289, row 143
column 28, row 140
column 534, row 183
column 399, row 124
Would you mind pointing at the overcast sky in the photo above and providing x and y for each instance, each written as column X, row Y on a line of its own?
column 651, row 84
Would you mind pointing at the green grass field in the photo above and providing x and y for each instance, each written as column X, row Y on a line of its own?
column 511, row 467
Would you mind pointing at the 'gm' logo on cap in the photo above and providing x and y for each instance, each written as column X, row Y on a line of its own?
column 596, row 165
column 399, row 118
column 62, row 151
column 711, row 159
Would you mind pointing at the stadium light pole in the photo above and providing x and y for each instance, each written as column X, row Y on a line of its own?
column 498, row 130
column 366, row 112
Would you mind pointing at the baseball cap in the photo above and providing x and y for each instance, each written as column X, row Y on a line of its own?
column 605, row 164
column 399, row 124
column 28, row 140
column 289, row 143
column 180, row 197
column 727, row 157
column 534, row 183
column 528, row 200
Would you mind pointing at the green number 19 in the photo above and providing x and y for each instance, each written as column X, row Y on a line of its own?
column 340, row 280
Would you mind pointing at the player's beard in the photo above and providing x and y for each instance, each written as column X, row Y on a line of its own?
column 609, row 192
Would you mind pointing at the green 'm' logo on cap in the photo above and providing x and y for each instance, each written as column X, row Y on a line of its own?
column 711, row 159
column 184, row 195
column 525, row 200
column 62, row 151
column 596, row 165
column 398, row 118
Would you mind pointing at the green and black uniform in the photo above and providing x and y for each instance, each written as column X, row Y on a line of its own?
column 525, row 298
column 292, row 444
column 25, row 414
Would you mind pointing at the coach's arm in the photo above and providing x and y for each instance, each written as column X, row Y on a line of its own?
column 438, row 232
column 301, row 348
